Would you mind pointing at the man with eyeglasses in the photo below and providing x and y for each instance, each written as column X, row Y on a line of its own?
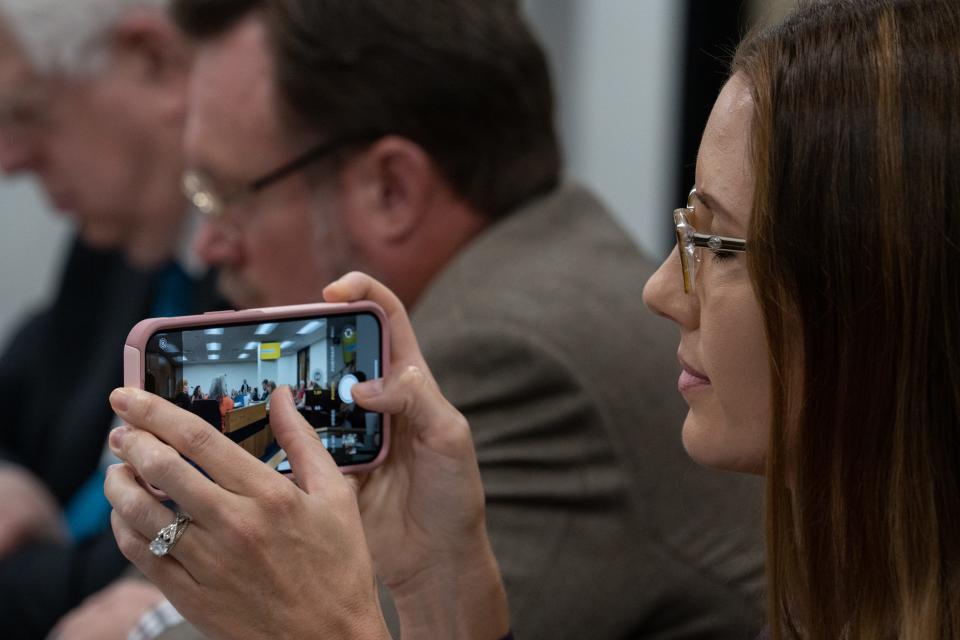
column 417, row 144
column 92, row 97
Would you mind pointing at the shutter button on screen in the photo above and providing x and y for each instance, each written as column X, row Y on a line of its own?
column 345, row 388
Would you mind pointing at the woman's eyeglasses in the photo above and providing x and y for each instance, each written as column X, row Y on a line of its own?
column 690, row 243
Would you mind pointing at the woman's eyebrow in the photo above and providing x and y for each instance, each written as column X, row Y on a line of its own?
column 715, row 207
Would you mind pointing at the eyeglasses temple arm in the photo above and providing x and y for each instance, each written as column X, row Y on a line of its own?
column 308, row 158
column 719, row 243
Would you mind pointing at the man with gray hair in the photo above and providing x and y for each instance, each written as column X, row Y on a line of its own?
column 91, row 103
column 92, row 99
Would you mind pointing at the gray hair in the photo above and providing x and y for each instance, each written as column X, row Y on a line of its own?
column 68, row 37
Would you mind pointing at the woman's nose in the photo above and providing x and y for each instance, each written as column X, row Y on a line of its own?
column 663, row 294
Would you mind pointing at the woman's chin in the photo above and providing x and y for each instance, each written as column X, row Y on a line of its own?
column 716, row 446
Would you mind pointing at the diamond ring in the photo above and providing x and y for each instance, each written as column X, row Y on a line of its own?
column 167, row 537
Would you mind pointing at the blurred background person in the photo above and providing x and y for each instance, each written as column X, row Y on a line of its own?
column 218, row 393
column 92, row 97
column 300, row 394
column 182, row 399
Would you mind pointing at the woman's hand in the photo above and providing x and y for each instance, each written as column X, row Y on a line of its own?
column 423, row 509
column 262, row 557
column 263, row 554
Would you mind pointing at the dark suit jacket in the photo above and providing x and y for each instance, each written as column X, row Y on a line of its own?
column 602, row 525
column 55, row 377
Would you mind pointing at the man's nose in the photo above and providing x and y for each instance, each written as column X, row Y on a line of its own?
column 217, row 244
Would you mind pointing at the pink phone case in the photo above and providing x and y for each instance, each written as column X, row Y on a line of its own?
column 133, row 351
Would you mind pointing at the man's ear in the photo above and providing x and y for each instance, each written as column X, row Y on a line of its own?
column 390, row 186
column 148, row 44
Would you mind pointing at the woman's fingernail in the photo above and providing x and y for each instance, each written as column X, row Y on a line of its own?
column 117, row 436
column 371, row 388
column 120, row 399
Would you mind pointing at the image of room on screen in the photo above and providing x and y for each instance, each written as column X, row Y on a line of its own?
column 226, row 375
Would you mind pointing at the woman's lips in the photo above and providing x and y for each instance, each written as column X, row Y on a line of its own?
column 690, row 378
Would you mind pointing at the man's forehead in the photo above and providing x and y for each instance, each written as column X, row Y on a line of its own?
column 244, row 48
column 232, row 97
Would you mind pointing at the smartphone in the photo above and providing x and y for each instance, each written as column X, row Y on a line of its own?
column 224, row 366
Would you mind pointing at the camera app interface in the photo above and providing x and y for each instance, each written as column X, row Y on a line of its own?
column 226, row 375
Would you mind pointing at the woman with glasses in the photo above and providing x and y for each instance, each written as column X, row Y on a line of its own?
column 819, row 311
column 816, row 285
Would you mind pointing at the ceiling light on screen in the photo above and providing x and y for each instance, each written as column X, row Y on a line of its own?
column 213, row 356
column 310, row 327
column 251, row 346
column 213, row 346
column 265, row 329
column 213, row 332
column 287, row 344
column 244, row 356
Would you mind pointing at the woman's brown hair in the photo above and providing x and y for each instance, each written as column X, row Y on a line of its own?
column 855, row 257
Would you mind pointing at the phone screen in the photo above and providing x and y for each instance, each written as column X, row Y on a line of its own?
column 226, row 374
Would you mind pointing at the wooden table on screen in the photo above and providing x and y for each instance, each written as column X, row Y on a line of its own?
column 244, row 417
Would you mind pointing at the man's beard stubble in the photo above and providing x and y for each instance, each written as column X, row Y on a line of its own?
column 329, row 238
column 239, row 294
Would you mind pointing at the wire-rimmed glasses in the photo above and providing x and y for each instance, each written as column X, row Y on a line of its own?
column 690, row 243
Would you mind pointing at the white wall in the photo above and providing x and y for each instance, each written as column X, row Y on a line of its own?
column 32, row 246
column 617, row 68
column 203, row 375
column 286, row 370
column 268, row 370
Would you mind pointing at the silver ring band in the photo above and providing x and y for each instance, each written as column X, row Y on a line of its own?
column 167, row 538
